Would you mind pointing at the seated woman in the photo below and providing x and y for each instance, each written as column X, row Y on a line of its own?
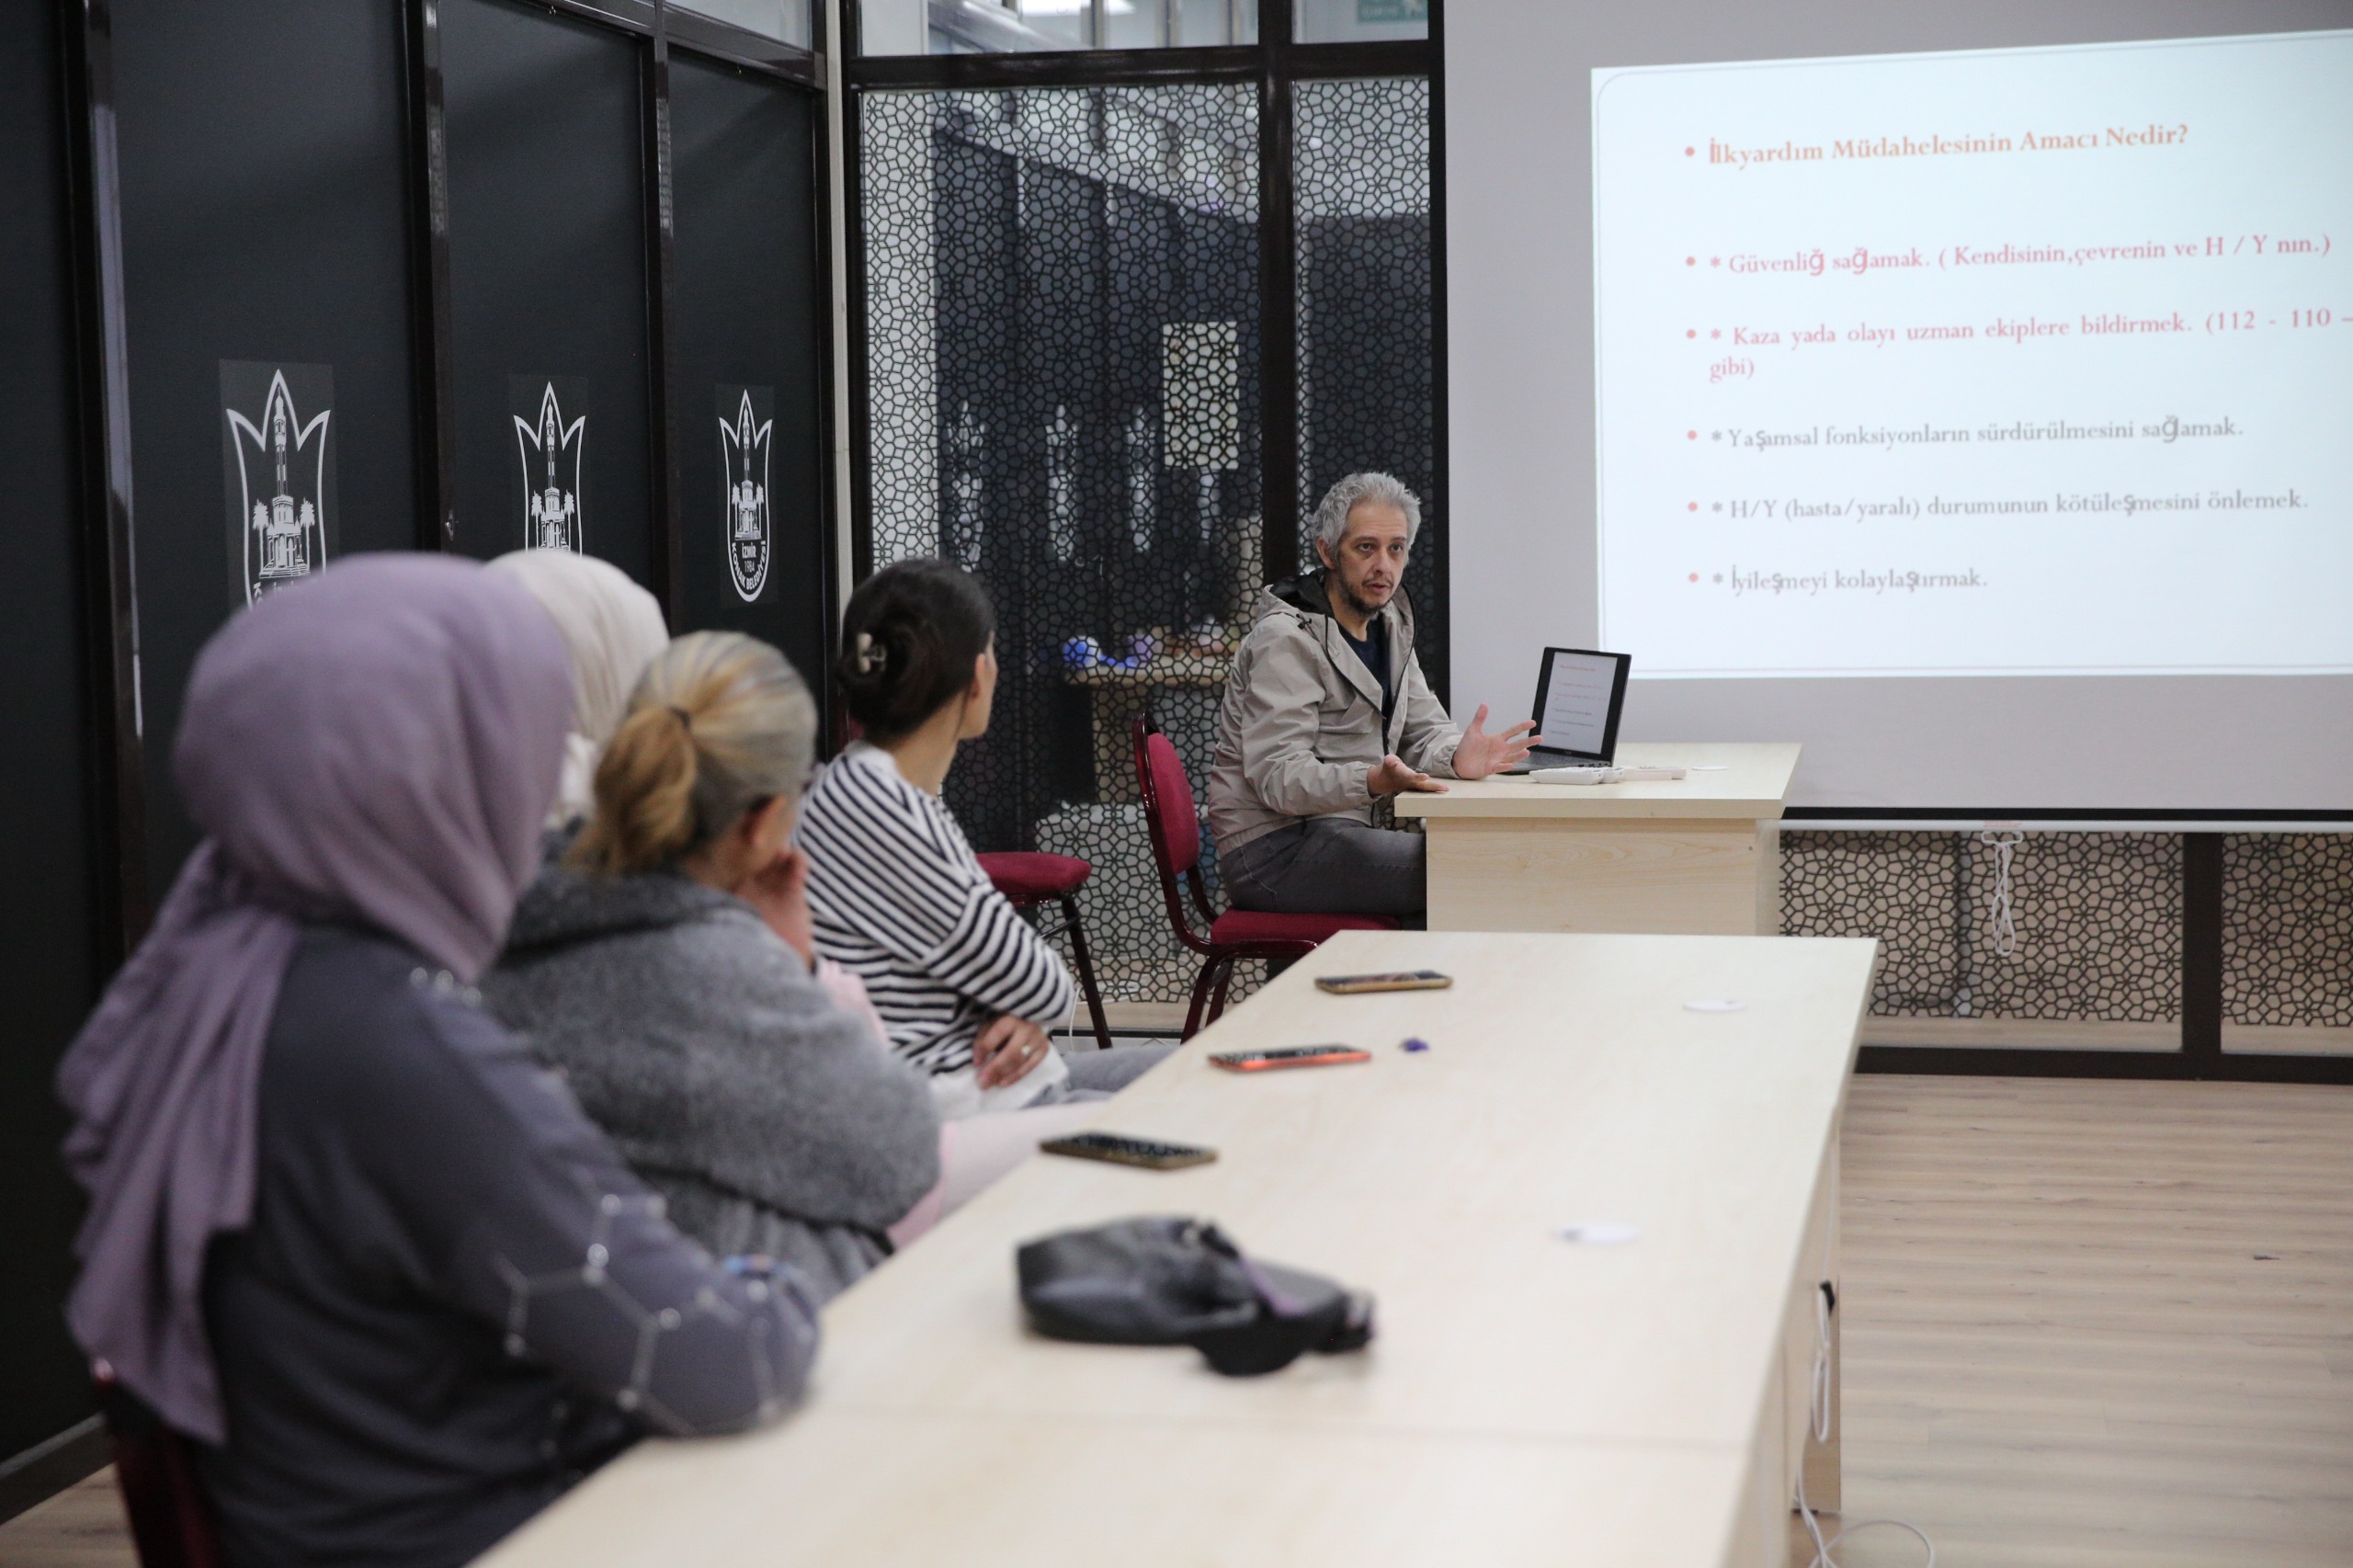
column 612, row 628
column 343, row 1231
column 664, row 965
column 965, row 985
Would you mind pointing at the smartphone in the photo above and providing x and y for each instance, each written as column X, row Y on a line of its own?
column 1151, row 1155
column 1290, row 1056
column 1410, row 980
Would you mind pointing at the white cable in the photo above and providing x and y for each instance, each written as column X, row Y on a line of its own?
column 1819, row 1423
column 2003, row 843
column 1821, row 1389
column 1822, row 1558
column 1070, row 1013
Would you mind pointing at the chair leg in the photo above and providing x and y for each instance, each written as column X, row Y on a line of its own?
column 1086, row 971
column 1217, row 1000
column 1211, row 968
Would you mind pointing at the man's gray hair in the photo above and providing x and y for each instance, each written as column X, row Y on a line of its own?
column 1382, row 489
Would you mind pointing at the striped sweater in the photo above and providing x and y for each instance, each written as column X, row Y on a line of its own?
column 897, row 898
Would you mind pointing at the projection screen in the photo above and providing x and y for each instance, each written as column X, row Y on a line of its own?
column 1962, row 389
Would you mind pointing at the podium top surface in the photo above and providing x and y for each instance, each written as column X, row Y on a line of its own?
column 1728, row 778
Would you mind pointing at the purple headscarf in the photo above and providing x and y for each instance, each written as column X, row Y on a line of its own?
column 377, row 745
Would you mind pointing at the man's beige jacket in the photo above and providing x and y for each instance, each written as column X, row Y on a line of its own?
column 1301, row 724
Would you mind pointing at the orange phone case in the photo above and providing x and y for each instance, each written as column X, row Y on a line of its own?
column 1241, row 1062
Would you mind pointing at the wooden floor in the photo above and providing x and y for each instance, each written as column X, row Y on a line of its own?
column 2087, row 1324
column 80, row 1528
column 2100, row 1323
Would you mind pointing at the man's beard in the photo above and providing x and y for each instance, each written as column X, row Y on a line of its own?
column 1355, row 601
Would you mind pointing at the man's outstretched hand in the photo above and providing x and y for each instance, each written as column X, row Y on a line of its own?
column 1390, row 776
column 1479, row 754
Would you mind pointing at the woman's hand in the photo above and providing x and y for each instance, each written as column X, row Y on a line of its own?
column 779, row 891
column 1009, row 1050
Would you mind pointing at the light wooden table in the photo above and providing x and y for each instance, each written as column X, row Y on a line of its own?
column 1699, row 854
column 1527, row 1400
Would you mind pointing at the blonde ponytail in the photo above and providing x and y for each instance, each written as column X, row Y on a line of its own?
column 719, row 723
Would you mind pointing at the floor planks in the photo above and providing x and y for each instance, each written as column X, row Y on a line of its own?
column 2088, row 1325
column 82, row 1526
column 2099, row 1324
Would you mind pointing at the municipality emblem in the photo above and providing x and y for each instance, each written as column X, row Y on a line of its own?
column 283, row 486
column 549, row 451
column 743, row 473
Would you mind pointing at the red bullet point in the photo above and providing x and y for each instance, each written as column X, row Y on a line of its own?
column 1690, row 261
column 1690, row 435
column 1691, row 152
column 1693, row 332
column 1693, row 508
column 1695, row 576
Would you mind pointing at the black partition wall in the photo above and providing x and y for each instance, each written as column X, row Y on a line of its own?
column 548, row 284
column 289, row 280
column 749, row 422
column 265, row 220
column 50, row 790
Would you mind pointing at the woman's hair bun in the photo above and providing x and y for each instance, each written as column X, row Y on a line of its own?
column 910, row 635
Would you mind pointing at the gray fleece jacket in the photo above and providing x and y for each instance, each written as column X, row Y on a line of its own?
column 766, row 1116
column 1303, row 725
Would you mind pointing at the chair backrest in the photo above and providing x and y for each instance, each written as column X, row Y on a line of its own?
column 1168, row 801
column 1173, row 826
column 171, row 1521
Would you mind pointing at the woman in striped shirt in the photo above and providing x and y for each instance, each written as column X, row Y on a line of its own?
column 964, row 985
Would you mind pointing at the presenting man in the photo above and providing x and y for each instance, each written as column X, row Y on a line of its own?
column 1326, row 716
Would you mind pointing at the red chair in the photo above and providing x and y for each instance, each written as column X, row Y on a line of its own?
column 1176, row 828
column 171, row 1522
column 1028, row 878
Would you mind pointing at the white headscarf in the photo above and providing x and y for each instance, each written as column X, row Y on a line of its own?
column 613, row 628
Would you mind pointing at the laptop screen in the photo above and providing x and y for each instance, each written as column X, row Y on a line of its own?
column 1577, row 701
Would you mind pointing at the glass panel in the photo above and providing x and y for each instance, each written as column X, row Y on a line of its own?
column 1137, row 24
column 787, row 21
column 1007, row 27
column 1361, row 173
column 1355, row 21
column 1062, row 352
column 1204, row 23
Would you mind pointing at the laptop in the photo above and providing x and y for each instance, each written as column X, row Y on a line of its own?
column 1579, row 695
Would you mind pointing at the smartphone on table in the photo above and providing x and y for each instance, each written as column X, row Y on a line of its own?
column 1150, row 1153
column 1288, row 1056
column 1407, row 980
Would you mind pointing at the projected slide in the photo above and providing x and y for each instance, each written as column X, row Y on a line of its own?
column 2006, row 362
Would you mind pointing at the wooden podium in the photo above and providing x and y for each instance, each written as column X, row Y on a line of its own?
column 1697, row 856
